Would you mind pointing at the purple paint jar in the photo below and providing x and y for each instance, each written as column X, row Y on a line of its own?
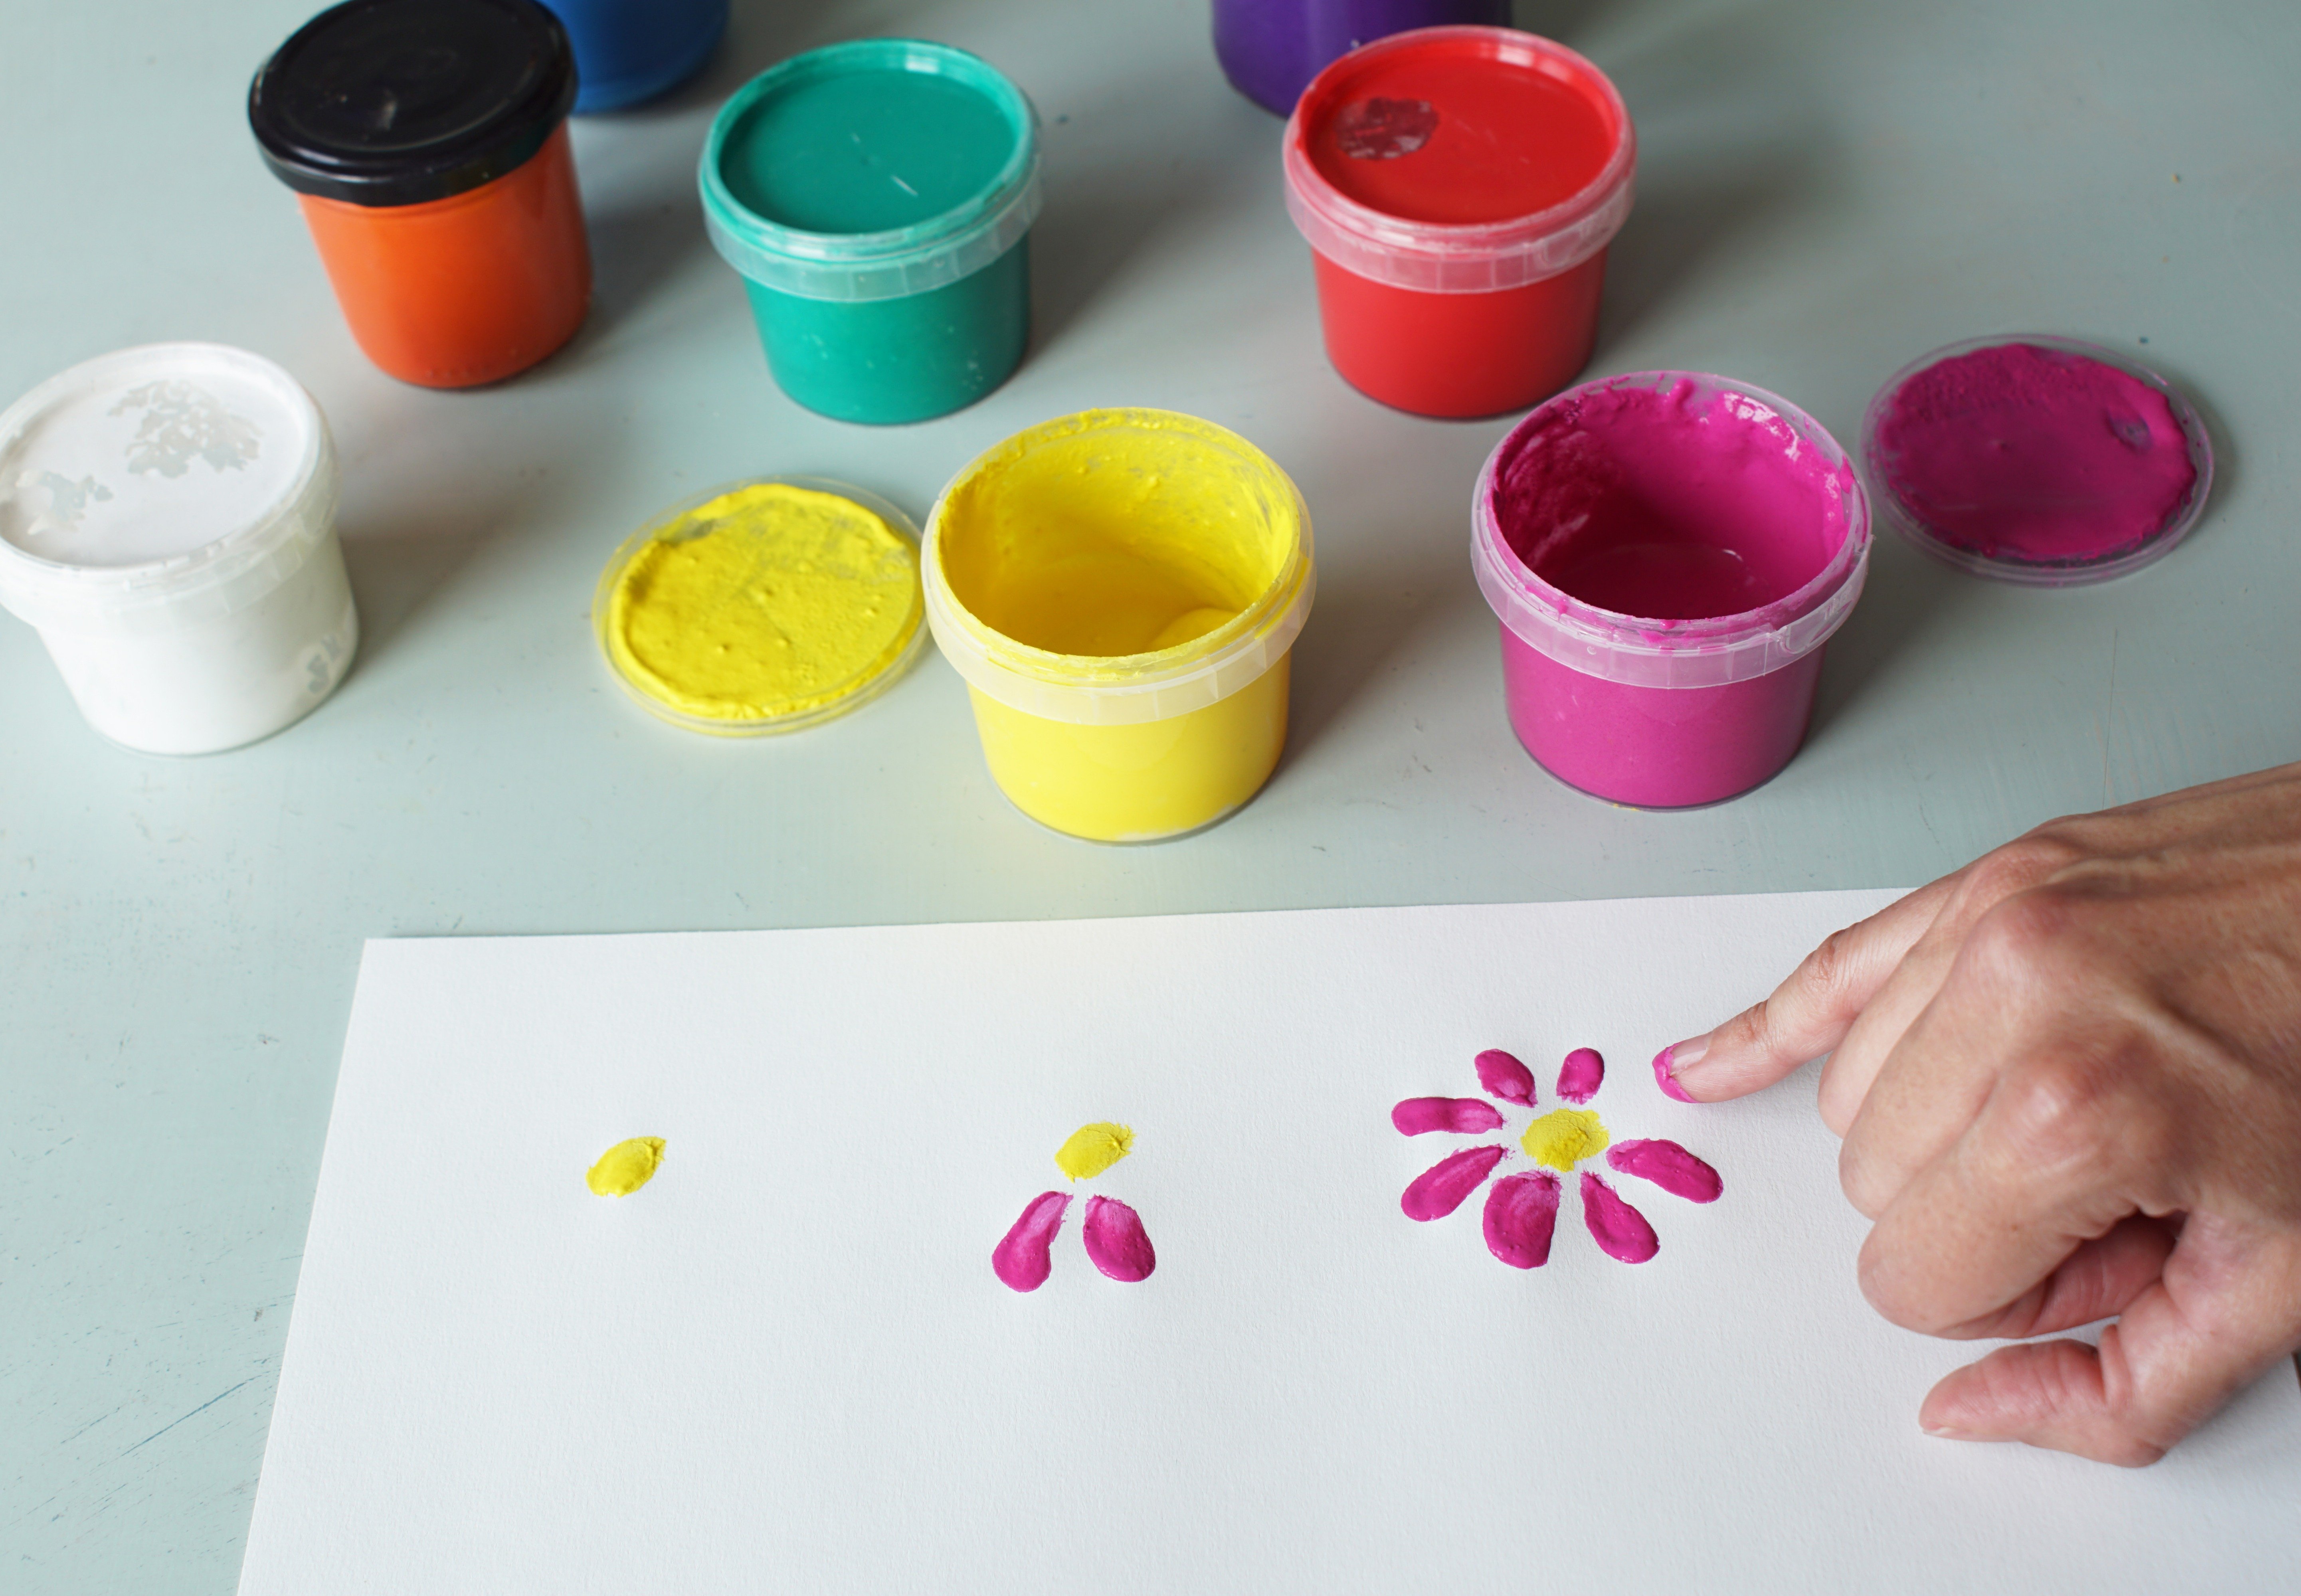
column 1667, row 552
column 1271, row 49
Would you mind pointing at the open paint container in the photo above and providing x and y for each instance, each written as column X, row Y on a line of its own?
column 426, row 141
column 763, row 607
column 1121, row 589
column 2037, row 460
column 1271, row 49
column 168, row 524
column 878, row 198
column 1667, row 553
column 627, row 51
column 1459, row 187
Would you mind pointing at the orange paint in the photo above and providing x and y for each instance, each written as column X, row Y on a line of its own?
column 456, row 292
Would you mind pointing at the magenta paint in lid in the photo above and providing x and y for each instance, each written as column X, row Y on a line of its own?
column 2037, row 460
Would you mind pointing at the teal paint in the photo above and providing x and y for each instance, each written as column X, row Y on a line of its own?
column 878, row 198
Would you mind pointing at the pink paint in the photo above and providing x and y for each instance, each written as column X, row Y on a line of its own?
column 1669, row 1167
column 1023, row 1260
column 1504, row 1076
column 2033, row 455
column 1620, row 1231
column 1439, row 1190
column 1667, row 553
column 1668, row 1080
column 1521, row 1216
column 1116, row 1241
column 1464, row 1117
column 1581, row 1075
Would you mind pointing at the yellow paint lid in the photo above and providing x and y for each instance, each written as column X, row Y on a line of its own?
column 762, row 607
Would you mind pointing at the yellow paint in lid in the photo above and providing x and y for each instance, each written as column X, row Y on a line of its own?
column 764, row 607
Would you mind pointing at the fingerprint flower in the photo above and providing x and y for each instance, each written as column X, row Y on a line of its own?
column 1113, row 1233
column 1522, row 1208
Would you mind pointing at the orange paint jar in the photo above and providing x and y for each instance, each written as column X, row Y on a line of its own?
column 427, row 143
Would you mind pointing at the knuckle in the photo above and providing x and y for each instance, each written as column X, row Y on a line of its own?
column 2029, row 940
column 2061, row 1116
column 2022, row 864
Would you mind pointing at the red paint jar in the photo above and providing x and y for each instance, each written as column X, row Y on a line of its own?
column 426, row 140
column 1459, row 187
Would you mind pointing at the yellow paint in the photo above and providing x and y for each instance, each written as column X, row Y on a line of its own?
column 1564, row 1137
column 1094, row 1149
column 626, row 1166
column 766, row 603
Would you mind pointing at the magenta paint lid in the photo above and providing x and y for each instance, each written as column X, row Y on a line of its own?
column 2036, row 459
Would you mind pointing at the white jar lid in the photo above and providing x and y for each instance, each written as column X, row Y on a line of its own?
column 159, row 486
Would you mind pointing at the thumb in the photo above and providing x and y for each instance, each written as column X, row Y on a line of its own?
column 2228, row 1306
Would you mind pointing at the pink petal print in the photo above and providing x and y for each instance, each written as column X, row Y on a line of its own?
column 1505, row 1077
column 1465, row 1117
column 1521, row 1213
column 1669, row 1167
column 1621, row 1231
column 1116, row 1241
column 1439, row 1190
column 1581, row 1075
column 1022, row 1261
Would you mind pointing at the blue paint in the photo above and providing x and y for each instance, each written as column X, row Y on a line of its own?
column 627, row 51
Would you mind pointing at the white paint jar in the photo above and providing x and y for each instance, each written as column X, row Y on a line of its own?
column 167, row 525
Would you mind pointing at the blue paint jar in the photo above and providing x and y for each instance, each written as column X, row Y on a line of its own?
column 627, row 51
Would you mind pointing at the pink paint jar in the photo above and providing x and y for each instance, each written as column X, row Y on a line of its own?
column 1667, row 553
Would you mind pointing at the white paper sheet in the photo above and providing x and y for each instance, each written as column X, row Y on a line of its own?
column 786, row 1365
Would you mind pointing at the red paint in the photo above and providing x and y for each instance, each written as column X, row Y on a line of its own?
column 1116, row 1241
column 1504, row 1076
column 1620, row 1231
column 1669, row 1167
column 1439, row 1190
column 1463, row 1116
column 1520, row 1218
column 1581, row 1075
column 1023, row 1257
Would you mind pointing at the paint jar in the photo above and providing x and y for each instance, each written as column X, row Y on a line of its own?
column 877, row 199
column 167, row 524
column 426, row 141
column 1459, row 187
column 1667, row 553
column 1269, row 49
column 627, row 51
column 2037, row 460
column 1120, row 590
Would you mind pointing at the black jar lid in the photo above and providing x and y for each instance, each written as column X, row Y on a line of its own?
column 398, row 102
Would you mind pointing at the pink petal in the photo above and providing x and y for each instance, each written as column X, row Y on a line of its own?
column 1021, row 1260
column 1581, row 1075
column 1116, row 1241
column 1521, row 1213
column 1465, row 1117
column 1439, row 1190
column 1669, row 1167
column 1505, row 1077
column 1621, row 1230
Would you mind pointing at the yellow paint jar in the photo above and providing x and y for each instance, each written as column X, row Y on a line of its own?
column 1121, row 589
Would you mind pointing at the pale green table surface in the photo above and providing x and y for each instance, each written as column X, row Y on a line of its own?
column 1825, row 191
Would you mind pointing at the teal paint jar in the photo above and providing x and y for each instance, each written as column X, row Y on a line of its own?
column 877, row 197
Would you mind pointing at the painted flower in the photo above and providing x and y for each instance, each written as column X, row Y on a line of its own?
column 1115, row 1241
column 1522, row 1208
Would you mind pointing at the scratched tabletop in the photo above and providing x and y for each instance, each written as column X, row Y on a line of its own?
column 1825, row 191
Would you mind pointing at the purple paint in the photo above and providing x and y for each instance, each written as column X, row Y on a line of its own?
column 1504, row 1076
column 1521, row 1216
column 1669, row 1167
column 1581, row 1075
column 1023, row 1259
column 1439, row 1190
column 1620, row 1231
column 1464, row 1117
column 1271, row 49
column 1666, row 1080
column 2031, row 454
column 1116, row 1241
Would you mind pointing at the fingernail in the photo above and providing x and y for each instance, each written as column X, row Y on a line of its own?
column 1946, row 1432
column 1673, row 1058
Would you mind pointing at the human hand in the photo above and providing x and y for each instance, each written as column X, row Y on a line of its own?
column 2069, row 1081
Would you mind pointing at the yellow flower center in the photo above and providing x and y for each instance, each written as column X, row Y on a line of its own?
column 1094, row 1149
column 1564, row 1137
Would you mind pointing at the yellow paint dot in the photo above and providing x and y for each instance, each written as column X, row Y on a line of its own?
column 1564, row 1137
column 626, row 1166
column 1094, row 1149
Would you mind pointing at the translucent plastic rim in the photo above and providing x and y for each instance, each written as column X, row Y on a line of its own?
column 859, row 692
column 1913, row 529
column 1131, row 688
column 1641, row 652
column 1470, row 257
column 901, row 261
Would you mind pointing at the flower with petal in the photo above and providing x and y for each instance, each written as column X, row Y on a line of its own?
column 1115, row 1241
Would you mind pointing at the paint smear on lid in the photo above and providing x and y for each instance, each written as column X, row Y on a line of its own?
column 1116, row 1241
column 626, row 1166
column 1094, row 1149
